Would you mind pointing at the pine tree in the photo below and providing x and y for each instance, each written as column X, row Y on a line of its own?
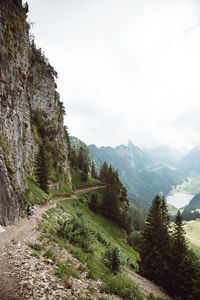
column 184, row 272
column 84, row 171
column 94, row 203
column 179, row 247
column 156, row 243
column 93, row 171
column 103, row 172
column 42, row 168
column 73, row 158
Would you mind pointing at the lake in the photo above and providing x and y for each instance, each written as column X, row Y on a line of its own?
column 179, row 199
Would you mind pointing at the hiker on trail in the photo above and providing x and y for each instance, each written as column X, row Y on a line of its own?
column 33, row 209
column 28, row 211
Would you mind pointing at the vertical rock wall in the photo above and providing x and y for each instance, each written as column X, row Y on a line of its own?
column 23, row 87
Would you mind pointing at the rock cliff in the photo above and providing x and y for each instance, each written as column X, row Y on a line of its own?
column 27, row 88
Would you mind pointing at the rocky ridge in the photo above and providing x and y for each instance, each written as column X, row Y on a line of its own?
column 27, row 84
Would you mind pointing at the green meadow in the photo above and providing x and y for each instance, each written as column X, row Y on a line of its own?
column 192, row 229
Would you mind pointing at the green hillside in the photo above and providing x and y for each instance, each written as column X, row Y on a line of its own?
column 192, row 229
column 88, row 236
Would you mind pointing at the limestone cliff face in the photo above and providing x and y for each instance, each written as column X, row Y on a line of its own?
column 25, row 85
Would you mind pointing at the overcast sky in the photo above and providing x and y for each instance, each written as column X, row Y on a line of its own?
column 128, row 69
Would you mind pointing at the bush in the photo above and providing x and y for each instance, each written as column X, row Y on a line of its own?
column 65, row 270
column 113, row 258
column 36, row 247
column 134, row 239
column 101, row 239
column 77, row 231
column 50, row 254
column 152, row 297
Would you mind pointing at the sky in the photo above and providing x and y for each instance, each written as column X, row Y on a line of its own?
column 127, row 69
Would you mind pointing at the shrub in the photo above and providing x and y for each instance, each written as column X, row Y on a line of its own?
column 36, row 247
column 113, row 258
column 65, row 270
column 134, row 239
column 76, row 230
column 152, row 297
column 50, row 254
column 101, row 239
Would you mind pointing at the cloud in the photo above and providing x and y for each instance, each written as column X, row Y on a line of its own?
column 127, row 69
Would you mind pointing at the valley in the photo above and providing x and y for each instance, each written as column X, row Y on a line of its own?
column 192, row 229
column 190, row 185
column 179, row 200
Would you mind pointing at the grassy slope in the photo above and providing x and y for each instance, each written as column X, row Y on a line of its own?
column 77, row 181
column 192, row 229
column 34, row 194
column 108, row 230
column 191, row 186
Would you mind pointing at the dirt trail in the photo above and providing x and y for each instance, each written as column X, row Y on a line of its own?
column 9, row 282
column 18, row 232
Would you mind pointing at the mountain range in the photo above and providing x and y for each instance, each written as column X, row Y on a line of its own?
column 145, row 172
column 192, row 210
column 141, row 173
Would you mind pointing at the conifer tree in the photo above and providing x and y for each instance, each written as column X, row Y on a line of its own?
column 184, row 272
column 94, row 203
column 103, row 172
column 73, row 158
column 93, row 171
column 179, row 247
column 155, row 247
column 42, row 168
column 85, row 171
column 80, row 159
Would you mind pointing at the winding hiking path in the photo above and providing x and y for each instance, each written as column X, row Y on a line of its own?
column 22, row 231
column 9, row 288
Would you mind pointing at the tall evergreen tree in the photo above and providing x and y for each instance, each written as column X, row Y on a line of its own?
column 73, row 158
column 184, row 272
column 179, row 246
column 156, row 243
column 103, row 172
column 80, row 159
column 42, row 168
column 93, row 171
column 115, row 203
column 85, row 171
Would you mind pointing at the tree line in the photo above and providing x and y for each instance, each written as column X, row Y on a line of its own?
column 165, row 256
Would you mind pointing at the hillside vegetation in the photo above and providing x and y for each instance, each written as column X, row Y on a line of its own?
column 99, row 243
